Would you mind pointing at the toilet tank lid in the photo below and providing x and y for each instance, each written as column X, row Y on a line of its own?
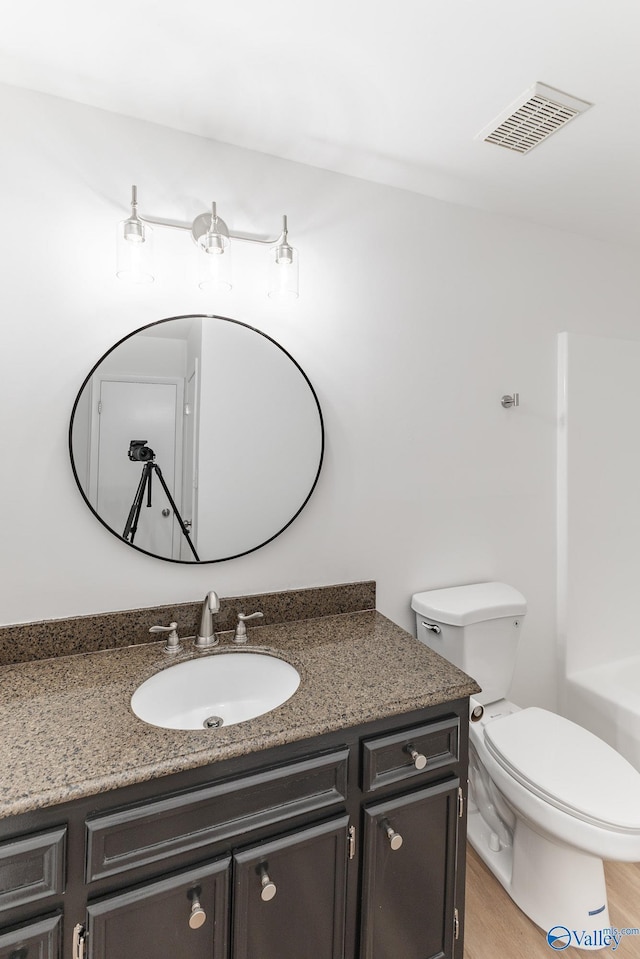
column 463, row 605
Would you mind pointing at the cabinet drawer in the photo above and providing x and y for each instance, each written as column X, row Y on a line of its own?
column 32, row 868
column 133, row 837
column 35, row 940
column 387, row 759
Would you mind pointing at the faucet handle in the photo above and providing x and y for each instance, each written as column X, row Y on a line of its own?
column 240, row 635
column 173, row 644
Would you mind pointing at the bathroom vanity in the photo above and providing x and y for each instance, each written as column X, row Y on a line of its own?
column 332, row 827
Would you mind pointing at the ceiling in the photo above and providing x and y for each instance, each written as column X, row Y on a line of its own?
column 394, row 93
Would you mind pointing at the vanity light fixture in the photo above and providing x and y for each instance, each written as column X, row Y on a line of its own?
column 135, row 247
column 212, row 237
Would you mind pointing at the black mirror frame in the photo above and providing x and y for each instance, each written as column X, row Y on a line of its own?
column 203, row 316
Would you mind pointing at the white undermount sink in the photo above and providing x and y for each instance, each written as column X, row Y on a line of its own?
column 215, row 691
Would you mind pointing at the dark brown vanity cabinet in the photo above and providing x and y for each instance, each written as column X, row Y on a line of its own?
column 290, row 895
column 178, row 917
column 33, row 940
column 32, row 880
column 347, row 846
column 269, row 900
column 409, row 871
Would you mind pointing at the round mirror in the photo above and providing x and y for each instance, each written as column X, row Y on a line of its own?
column 196, row 439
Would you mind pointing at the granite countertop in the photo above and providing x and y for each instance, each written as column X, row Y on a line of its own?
column 67, row 729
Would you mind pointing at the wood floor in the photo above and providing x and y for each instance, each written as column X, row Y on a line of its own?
column 496, row 929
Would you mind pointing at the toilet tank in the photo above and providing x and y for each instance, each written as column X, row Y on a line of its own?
column 477, row 628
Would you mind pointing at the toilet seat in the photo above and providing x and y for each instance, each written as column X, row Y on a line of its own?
column 568, row 767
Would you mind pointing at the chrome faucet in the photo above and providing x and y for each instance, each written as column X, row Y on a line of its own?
column 206, row 636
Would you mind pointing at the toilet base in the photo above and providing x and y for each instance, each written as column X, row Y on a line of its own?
column 553, row 884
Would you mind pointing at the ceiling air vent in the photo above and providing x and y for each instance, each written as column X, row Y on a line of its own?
column 532, row 118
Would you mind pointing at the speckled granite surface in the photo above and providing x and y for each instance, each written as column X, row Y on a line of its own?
column 26, row 642
column 67, row 729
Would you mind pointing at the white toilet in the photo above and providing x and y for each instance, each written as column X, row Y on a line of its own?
column 548, row 800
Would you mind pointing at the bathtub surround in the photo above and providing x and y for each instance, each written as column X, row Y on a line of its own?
column 598, row 548
column 28, row 642
column 599, row 558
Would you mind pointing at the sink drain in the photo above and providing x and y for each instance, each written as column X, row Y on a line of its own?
column 213, row 722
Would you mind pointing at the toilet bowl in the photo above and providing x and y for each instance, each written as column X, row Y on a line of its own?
column 548, row 801
column 560, row 802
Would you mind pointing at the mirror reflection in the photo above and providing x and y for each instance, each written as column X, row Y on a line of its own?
column 196, row 439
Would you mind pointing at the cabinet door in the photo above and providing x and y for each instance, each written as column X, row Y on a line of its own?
column 289, row 895
column 35, row 940
column 161, row 920
column 409, row 875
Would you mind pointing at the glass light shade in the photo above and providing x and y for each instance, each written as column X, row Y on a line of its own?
column 214, row 270
column 214, row 243
column 134, row 251
column 283, row 273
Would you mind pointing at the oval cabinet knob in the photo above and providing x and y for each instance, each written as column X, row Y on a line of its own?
column 197, row 916
column 268, row 887
column 419, row 761
column 395, row 839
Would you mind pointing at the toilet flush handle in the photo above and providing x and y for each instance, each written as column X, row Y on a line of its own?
column 432, row 626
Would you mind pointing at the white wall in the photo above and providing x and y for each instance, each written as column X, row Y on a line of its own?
column 415, row 317
column 259, row 440
column 148, row 356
